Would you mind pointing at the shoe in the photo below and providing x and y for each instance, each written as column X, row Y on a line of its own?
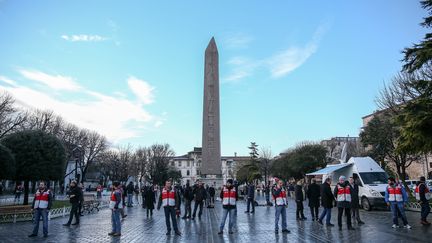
column 75, row 223
column 286, row 231
column 168, row 233
column 360, row 222
column 394, row 226
column 276, row 231
column 67, row 224
column 316, row 219
column 246, row 211
column 330, row 225
column 183, row 217
column 193, row 218
column 111, row 233
column 220, row 232
column 252, row 212
column 178, row 233
column 231, row 232
column 303, row 218
column 45, row 235
column 351, row 228
column 407, row 226
column 320, row 222
column 117, row 234
column 81, row 215
column 32, row 235
column 124, row 216
column 340, row 228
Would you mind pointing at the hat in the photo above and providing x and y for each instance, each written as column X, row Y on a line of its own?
column 343, row 178
column 230, row 181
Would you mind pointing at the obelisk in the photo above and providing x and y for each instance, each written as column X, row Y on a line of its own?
column 211, row 153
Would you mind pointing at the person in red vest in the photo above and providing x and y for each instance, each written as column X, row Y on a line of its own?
column 229, row 198
column 116, row 205
column 170, row 200
column 423, row 196
column 342, row 193
column 395, row 197
column 41, row 206
column 280, row 196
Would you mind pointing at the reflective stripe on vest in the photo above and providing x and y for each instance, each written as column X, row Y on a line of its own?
column 427, row 192
column 113, row 200
column 41, row 199
column 168, row 198
column 229, row 196
column 344, row 194
column 395, row 194
column 281, row 198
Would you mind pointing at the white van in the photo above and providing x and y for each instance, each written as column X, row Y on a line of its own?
column 371, row 177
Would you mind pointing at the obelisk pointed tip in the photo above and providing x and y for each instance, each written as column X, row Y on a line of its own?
column 212, row 45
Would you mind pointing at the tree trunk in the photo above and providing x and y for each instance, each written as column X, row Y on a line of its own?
column 33, row 187
column 26, row 192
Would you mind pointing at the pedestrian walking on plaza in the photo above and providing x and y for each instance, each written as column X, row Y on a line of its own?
column 229, row 199
column 342, row 192
column 99, row 190
column 395, row 197
column 313, row 195
column 75, row 195
column 81, row 199
column 18, row 191
column 130, row 191
column 327, row 200
column 40, row 207
column 188, row 196
column 136, row 192
column 169, row 199
column 355, row 202
column 423, row 196
column 280, row 196
column 150, row 200
column 250, row 194
column 299, row 198
column 123, row 196
column 143, row 195
column 199, row 195
column 212, row 193
column 115, row 205
column 267, row 194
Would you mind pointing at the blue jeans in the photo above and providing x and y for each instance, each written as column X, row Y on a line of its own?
column 395, row 206
column 249, row 202
column 326, row 212
column 280, row 210
column 170, row 212
column 232, row 218
column 130, row 197
column 38, row 213
column 425, row 209
column 115, row 221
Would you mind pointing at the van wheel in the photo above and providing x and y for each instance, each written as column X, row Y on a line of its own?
column 365, row 204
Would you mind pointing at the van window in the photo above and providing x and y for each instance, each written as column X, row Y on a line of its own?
column 374, row 177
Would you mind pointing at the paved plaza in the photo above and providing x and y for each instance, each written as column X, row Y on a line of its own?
column 258, row 227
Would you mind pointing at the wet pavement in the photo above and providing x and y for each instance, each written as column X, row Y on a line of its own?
column 258, row 227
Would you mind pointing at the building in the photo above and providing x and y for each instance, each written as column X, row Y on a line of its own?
column 335, row 147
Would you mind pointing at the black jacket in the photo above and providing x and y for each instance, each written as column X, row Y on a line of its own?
column 188, row 193
column 299, row 193
column 422, row 190
column 75, row 194
column 327, row 197
column 200, row 194
column 355, row 203
column 313, row 194
column 130, row 188
column 212, row 191
column 150, row 197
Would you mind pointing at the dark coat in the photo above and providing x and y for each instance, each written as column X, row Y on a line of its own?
column 335, row 192
column 299, row 193
column 200, row 193
column 327, row 197
column 150, row 197
column 212, row 191
column 250, row 191
column 75, row 194
column 188, row 193
column 355, row 203
column 313, row 194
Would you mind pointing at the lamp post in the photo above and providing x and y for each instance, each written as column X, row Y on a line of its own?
column 77, row 153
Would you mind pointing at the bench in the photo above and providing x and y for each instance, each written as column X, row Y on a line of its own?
column 90, row 203
column 15, row 212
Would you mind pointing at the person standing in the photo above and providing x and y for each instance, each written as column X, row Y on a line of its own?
column 327, row 200
column 422, row 195
column 267, row 194
column 81, row 199
column 250, row 193
column 18, row 191
column 99, row 189
column 299, row 198
column 395, row 197
column 313, row 195
column 355, row 202
column 212, row 193
column 130, row 191
column 229, row 199
column 75, row 195
column 41, row 205
column 150, row 200
column 143, row 195
column 188, row 197
column 136, row 192
column 115, row 206
column 122, row 188
column 342, row 192
column 200, row 196
column 169, row 199
column 280, row 196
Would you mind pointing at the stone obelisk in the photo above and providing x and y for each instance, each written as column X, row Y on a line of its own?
column 211, row 152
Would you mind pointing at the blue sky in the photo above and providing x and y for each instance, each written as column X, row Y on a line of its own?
column 133, row 70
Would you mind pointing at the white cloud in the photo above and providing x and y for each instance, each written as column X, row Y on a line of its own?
column 238, row 40
column 7, row 80
column 142, row 90
column 241, row 68
column 116, row 117
column 87, row 38
column 56, row 82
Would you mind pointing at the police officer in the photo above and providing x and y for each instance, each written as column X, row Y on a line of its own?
column 170, row 200
column 41, row 206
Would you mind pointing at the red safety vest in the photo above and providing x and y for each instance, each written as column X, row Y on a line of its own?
column 281, row 199
column 229, row 196
column 417, row 192
column 168, row 197
column 343, row 194
column 395, row 193
column 41, row 199
column 113, row 199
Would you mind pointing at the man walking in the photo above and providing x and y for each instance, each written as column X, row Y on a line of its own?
column 299, row 198
column 327, row 200
column 250, row 193
column 313, row 195
column 200, row 196
column 41, row 206
column 280, row 197
column 342, row 192
column 169, row 199
column 355, row 202
column 18, row 191
column 115, row 206
column 212, row 193
column 130, row 192
column 188, row 197
column 229, row 199
column 395, row 197
column 422, row 195
column 75, row 195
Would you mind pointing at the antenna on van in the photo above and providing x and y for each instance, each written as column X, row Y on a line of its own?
column 344, row 153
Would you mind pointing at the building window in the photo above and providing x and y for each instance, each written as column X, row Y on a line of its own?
column 188, row 163
column 172, row 163
column 188, row 173
column 179, row 163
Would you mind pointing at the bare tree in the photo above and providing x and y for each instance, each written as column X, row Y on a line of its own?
column 266, row 159
column 158, row 158
column 92, row 145
column 11, row 119
column 141, row 161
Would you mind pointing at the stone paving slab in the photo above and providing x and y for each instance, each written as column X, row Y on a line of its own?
column 258, row 227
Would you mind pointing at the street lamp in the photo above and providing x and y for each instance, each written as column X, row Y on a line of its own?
column 77, row 155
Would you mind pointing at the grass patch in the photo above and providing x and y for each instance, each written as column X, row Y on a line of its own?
column 60, row 204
